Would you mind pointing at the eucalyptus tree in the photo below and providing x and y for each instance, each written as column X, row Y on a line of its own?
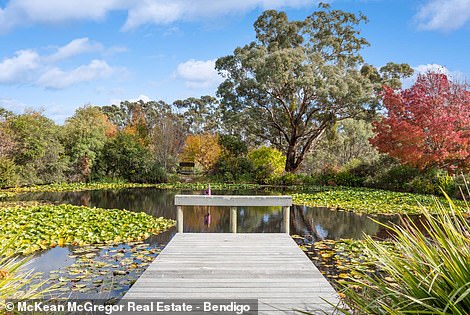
column 125, row 114
column 297, row 79
column 157, row 124
column 200, row 115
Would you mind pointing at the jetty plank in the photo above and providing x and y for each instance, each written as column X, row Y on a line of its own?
column 269, row 267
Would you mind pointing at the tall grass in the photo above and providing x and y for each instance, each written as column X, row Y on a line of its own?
column 15, row 282
column 428, row 273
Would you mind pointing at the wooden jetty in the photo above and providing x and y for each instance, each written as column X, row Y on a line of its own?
column 269, row 267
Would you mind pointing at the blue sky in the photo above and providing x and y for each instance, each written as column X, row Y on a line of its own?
column 58, row 55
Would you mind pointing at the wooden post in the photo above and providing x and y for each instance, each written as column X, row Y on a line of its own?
column 233, row 219
column 286, row 220
column 179, row 219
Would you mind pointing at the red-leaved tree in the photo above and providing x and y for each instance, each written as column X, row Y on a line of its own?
column 427, row 125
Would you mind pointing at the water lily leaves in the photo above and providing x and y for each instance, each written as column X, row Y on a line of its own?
column 370, row 201
column 340, row 261
column 39, row 227
column 101, row 271
column 119, row 273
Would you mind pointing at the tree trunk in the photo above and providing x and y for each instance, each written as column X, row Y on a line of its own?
column 291, row 161
column 294, row 159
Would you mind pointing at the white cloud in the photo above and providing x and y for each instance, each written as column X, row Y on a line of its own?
column 198, row 74
column 20, row 12
column 164, row 11
column 75, row 47
column 141, row 97
column 18, row 68
column 455, row 75
column 444, row 15
column 161, row 12
column 12, row 105
column 29, row 67
column 56, row 78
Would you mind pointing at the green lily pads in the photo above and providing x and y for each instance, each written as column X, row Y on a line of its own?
column 39, row 227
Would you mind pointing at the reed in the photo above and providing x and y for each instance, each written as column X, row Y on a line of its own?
column 16, row 282
column 428, row 273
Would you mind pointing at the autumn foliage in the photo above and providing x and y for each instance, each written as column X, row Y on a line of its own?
column 428, row 125
column 202, row 149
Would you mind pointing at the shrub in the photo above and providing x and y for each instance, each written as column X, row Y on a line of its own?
column 393, row 178
column 347, row 178
column 434, row 182
column 342, row 177
column 290, row 179
column 154, row 174
column 8, row 173
column 427, row 273
column 234, row 169
column 268, row 163
column 204, row 150
column 326, row 176
column 123, row 157
column 233, row 145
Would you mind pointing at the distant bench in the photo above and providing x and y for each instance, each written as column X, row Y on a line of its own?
column 233, row 202
column 186, row 168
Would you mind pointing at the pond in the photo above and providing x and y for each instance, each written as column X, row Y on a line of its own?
column 108, row 271
column 322, row 223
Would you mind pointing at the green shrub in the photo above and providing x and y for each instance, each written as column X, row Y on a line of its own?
column 125, row 158
column 434, row 182
column 393, row 178
column 268, row 163
column 234, row 169
column 326, row 176
column 428, row 273
column 338, row 177
column 288, row 179
column 233, row 145
column 155, row 173
column 347, row 178
column 8, row 173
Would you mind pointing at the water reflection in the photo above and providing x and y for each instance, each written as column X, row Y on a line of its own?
column 321, row 223
column 317, row 223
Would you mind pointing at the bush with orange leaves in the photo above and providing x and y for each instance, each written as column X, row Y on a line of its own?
column 204, row 150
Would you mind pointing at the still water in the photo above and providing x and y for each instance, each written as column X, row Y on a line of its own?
column 321, row 223
column 109, row 271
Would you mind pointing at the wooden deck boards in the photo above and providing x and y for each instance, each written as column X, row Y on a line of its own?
column 267, row 267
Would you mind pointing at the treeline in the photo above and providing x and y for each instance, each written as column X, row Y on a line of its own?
column 137, row 142
column 145, row 141
column 133, row 141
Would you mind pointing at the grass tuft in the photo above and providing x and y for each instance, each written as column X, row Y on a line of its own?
column 429, row 273
column 15, row 282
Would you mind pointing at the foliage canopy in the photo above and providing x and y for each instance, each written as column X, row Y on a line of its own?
column 297, row 79
column 427, row 125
